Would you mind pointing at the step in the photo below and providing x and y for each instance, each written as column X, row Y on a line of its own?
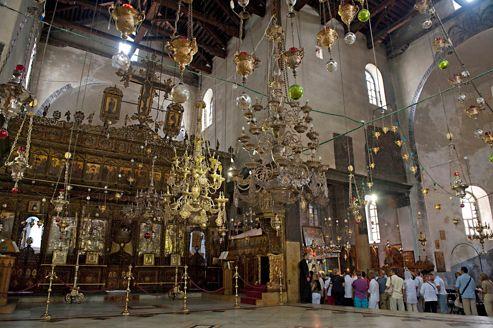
column 249, row 300
column 254, row 294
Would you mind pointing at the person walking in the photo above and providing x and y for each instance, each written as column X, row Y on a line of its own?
column 374, row 292
column 466, row 287
column 442, row 294
column 395, row 287
column 429, row 292
column 487, row 289
column 360, row 286
column 348, row 289
column 382, row 286
column 338, row 288
column 411, row 289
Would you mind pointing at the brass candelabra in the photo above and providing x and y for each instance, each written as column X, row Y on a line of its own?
column 75, row 296
column 129, row 278
column 47, row 316
column 237, row 297
column 185, row 297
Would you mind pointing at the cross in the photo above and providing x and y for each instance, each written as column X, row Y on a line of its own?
column 150, row 84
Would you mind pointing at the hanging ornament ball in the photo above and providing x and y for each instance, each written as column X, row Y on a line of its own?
column 15, row 190
column 427, row 24
column 443, row 64
column 244, row 101
column 490, row 158
column 462, row 205
column 364, row 15
column 180, row 93
column 3, row 134
column 295, row 91
column 147, row 235
column 350, row 38
column 461, row 98
column 331, row 65
column 120, row 61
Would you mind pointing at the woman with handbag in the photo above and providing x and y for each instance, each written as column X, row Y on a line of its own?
column 487, row 289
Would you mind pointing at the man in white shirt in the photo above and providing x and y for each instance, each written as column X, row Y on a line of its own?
column 442, row 294
column 348, row 289
column 374, row 292
column 395, row 286
column 429, row 293
column 419, row 279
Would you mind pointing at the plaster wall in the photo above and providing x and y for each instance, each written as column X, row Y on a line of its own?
column 341, row 92
column 11, row 21
column 432, row 118
column 71, row 80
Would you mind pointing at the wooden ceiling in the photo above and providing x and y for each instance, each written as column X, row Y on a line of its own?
column 387, row 16
column 214, row 21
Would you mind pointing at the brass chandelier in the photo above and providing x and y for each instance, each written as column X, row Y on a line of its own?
column 194, row 180
column 280, row 139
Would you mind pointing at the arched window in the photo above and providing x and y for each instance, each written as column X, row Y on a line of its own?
column 32, row 234
column 476, row 208
column 313, row 215
column 208, row 110
column 374, row 85
column 372, row 219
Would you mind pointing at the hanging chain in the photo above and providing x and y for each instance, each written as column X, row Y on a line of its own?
column 16, row 139
column 190, row 21
column 177, row 18
column 29, row 133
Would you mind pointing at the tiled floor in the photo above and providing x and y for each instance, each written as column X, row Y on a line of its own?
column 214, row 314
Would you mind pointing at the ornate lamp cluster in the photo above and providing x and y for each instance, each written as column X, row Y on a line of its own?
column 194, row 179
column 15, row 99
column 483, row 232
column 281, row 141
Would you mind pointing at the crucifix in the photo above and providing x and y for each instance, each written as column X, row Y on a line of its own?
column 150, row 85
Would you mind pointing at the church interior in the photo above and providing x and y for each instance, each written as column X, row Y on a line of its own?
column 229, row 163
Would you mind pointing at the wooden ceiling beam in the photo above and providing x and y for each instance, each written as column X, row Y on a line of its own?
column 85, row 29
column 226, row 28
column 300, row 4
column 227, row 10
column 379, row 36
column 150, row 15
column 151, row 27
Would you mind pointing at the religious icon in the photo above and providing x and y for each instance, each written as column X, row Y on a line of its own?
column 39, row 163
column 92, row 172
column 149, row 259
column 55, row 165
column 92, row 258
column 33, row 206
column 59, row 257
column 111, row 104
column 77, row 169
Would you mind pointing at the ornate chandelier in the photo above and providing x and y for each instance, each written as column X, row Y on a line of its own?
column 280, row 140
column 194, row 179
column 149, row 204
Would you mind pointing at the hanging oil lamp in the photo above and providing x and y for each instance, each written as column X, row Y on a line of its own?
column 473, row 111
column 14, row 98
column 245, row 64
column 348, row 11
column 326, row 38
column 18, row 167
column 182, row 50
column 126, row 18
column 458, row 185
column 293, row 57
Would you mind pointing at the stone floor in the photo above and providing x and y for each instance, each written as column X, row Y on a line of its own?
column 161, row 312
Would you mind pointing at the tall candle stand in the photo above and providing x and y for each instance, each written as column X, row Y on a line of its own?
column 185, row 297
column 129, row 278
column 237, row 297
column 47, row 316
column 75, row 296
column 281, row 296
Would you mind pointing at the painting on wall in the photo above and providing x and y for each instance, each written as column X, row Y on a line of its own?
column 313, row 236
column 440, row 262
column 111, row 104
column 92, row 172
column 55, row 166
column 33, row 206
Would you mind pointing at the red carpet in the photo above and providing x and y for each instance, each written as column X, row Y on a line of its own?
column 252, row 294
